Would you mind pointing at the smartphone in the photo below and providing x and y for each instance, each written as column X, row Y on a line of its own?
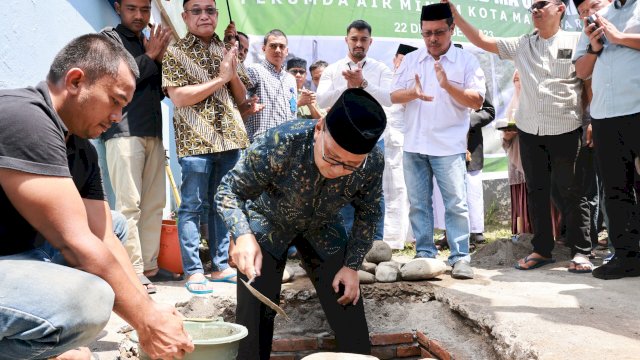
column 592, row 20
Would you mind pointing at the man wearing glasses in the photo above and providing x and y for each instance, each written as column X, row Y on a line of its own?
column 549, row 121
column 436, row 125
column 287, row 190
column 307, row 104
column 207, row 86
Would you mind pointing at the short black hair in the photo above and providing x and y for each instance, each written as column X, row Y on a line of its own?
column 359, row 25
column 318, row 64
column 274, row 32
column 240, row 33
column 95, row 54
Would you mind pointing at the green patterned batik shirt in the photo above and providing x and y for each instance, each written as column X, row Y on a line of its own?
column 214, row 124
column 289, row 197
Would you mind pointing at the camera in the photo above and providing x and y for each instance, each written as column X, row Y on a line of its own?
column 592, row 20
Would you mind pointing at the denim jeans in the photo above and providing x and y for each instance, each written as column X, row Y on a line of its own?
column 201, row 175
column 449, row 171
column 33, row 329
column 348, row 212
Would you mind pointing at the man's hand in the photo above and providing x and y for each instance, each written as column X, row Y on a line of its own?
column 588, row 141
column 229, row 65
column 441, row 75
column 156, row 45
column 307, row 97
column 349, row 278
column 250, row 107
column 418, row 91
column 509, row 134
column 247, row 255
column 594, row 31
column 230, row 33
column 613, row 35
column 164, row 336
column 354, row 77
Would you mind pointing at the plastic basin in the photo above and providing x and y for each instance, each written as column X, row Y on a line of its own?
column 212, row 340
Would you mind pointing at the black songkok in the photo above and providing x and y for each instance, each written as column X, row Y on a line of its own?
column 356, row 121
column 296, row 63
column 577, row 3
column 435, row 12
column 405, row 49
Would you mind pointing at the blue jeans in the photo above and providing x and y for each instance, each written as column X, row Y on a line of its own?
column 348, row 212
column 201, row 175
column 449, row 172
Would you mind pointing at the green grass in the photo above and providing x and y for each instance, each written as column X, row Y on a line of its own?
column 496, row 164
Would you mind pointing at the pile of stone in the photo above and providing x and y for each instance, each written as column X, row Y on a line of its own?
column 379, row 267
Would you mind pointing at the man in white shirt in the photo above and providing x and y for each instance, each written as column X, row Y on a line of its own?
column 356, row 70
column 436, row 127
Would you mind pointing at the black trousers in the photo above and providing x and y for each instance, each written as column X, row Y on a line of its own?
column 548, row 160
column 616, row 145
column 347, row 322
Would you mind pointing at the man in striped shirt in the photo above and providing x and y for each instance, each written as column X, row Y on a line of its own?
column 549, row 125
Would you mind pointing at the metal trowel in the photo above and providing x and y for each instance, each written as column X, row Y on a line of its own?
column 265, row 300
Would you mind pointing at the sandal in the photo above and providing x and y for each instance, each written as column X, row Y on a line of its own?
column 537, row 262
column 581, row 260
column 188, row 285
column 151, row 289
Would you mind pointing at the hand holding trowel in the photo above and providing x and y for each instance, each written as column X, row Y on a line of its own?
column 247, row 256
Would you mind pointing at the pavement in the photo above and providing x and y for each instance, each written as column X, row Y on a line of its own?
column 547, row 313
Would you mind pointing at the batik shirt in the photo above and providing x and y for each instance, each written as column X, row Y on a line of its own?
column 289, row 196
column 214, row 124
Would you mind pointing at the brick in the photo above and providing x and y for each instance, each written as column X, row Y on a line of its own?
column 327, row 343
column 440, row 352
column 390, row 339
column 294, row 344
column 282, row 357
column 384, row 352
column 422, row 339
column 407, row 351
column 425, row 354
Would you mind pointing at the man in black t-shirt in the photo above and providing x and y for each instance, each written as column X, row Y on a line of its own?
column 47, row 309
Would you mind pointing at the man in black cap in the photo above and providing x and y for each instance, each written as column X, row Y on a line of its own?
column 436, row 125
column 307, row 104
column 288, row 189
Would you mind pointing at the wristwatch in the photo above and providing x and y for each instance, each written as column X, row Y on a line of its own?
column 364, row 84
column 596, row 53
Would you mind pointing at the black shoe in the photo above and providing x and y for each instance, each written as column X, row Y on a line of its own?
column 477, row 238
column 618, row 267
column 462, row 270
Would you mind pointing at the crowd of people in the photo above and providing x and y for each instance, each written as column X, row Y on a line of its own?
column 273, row 165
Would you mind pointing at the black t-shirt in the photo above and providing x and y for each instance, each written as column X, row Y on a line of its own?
column 32, row 140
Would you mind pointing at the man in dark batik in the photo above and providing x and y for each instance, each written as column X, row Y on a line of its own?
column 298, row 177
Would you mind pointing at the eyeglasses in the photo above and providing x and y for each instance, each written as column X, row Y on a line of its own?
column 297, row 71
column 539, row 6
column 437, row 33
column 335, row 162
column 197, row 11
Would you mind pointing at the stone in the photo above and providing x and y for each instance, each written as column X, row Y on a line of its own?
column 287, row 275
column 387, row 271
column 366, row 277
column 380, row 252
column 368, row 267
column 422, row 269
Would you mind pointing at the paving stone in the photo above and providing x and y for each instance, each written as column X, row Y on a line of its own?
column 407, row 351
column 294, row 344
column 390, row 339
column 422, row 269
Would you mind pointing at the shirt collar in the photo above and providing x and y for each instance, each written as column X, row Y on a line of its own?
column 619, row 5
column 43, row 89
column 451, row 55
column 348, row 61
column 269, row 66
column 191, row 39
column 126, row 32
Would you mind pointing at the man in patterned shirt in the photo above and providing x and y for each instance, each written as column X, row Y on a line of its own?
column 287, row 190
column 273, row 85
column 205, row 84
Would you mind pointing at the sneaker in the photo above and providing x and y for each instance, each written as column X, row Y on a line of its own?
column 607, row 258
column 462, row 270
column 618, row 267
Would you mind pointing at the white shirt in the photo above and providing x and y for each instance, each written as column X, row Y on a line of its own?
column 332, row 83
column 438, row 127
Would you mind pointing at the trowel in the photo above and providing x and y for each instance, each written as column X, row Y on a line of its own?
column 265, row 300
